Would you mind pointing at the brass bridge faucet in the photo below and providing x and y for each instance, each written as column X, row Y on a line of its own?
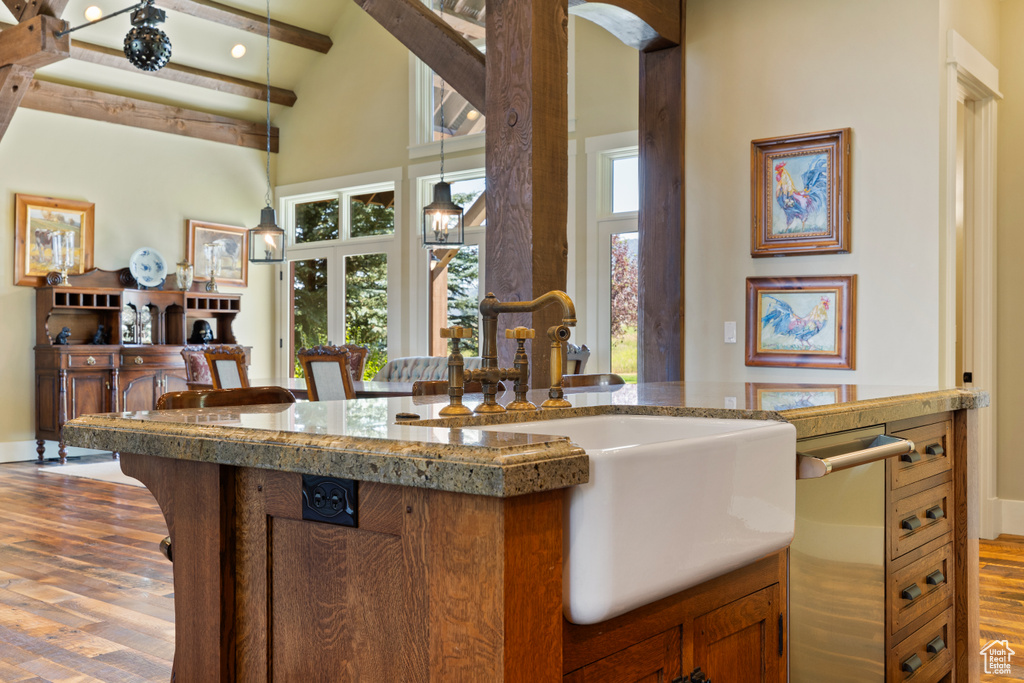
column 490, row 374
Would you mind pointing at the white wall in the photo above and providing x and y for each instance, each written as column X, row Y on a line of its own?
column 144, row 185
column 757, row 70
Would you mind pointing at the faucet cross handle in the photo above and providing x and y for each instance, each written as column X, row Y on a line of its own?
column 522, row 333
column 522, row 368
column 456, row 332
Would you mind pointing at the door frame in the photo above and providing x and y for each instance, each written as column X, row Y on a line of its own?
column 973, row 80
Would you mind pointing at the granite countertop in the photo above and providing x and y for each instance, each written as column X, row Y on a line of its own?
column 363, row 439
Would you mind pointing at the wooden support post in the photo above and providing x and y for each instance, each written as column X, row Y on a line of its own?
column 14, row 83
column 662, row 119
column 527, row 164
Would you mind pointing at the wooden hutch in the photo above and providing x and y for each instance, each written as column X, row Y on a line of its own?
column 140, row 359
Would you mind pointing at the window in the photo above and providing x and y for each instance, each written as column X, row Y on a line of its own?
column 625, row 184
column 339, row 280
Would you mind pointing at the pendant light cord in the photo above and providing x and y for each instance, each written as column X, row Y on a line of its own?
column 268, row 103
column 441, row 4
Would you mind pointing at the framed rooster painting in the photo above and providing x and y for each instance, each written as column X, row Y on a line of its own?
column 800, row 194
column 802, row 322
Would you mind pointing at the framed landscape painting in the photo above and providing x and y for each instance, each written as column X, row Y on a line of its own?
column 801, row 322
column 36, row 221
column 231, row 246
column 800, row 194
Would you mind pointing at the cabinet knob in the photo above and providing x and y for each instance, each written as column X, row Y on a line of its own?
column 910, row 523
column 138, row 360
column 911, row 664
column 934, row 449
column 935, row 578
column 90, row 361
column 913, row 456
column 935, row 513
column 936, row 646
column 911, row 592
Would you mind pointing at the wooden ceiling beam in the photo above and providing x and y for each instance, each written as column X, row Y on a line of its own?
column 100, row 106
column 14, row 83
column 642, row 24
column 248, row 21
column 477, row 213
column 26, row 9
column 211, row 80
column 440, row 46
column 473, row 30
column 32, row 43
column 97, row 54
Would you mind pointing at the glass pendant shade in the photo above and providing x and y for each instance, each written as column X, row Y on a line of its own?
column 442, row 220
column 266, row 240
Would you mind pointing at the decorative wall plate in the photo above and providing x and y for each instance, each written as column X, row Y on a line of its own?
column 148, row 267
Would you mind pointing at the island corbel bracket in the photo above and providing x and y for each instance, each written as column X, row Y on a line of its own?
column 441, row 47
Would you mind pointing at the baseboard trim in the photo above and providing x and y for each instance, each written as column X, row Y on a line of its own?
column 1012, row 513
column 22, row 451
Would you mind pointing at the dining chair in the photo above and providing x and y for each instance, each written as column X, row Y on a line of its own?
column 605, row 380
column 227, row 367
column 197, row 370
column 328, row 373
column 356, row 359
column 436, row 387
column 576, row 358
column 219, row 398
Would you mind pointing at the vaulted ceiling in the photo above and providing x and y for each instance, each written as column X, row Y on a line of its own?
column 204, row 91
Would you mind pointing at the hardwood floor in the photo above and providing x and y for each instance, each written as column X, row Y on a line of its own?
column 85, row 594
column 1002, row 599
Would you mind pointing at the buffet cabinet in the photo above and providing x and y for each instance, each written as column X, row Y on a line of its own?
column 103, row 345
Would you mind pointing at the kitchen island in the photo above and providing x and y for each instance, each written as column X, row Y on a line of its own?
column 453, row 570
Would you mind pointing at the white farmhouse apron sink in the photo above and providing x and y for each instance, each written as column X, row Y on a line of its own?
column 671, row 503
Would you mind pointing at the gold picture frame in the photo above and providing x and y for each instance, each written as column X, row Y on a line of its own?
column 35, row 220
column 234, row 254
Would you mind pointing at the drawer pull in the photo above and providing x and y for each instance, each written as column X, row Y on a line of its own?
column 934, row 449
column 935, row 578
column 90, row 361
column 138, row 360
column 936, row 646
column 911, row 592
column 935, row 513
column 911, row 664
column 910, row 523
column 912, row 456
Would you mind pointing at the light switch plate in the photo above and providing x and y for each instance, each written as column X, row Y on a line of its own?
column 730, row 332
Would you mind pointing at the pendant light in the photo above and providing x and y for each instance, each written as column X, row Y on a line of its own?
column 266, row 240
column 442, row 218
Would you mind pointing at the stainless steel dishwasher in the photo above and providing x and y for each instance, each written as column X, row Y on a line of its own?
column 837, row 558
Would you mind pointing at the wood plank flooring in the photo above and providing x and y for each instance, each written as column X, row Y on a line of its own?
column 85, row 594
column 1002, row 599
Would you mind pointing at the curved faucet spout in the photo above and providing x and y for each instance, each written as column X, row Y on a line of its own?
column 491, row 307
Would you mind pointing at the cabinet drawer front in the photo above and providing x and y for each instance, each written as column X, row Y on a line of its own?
column 91, row 360
column 920, row 518
column 926, row 651
column 920, row 587
column 931, row 457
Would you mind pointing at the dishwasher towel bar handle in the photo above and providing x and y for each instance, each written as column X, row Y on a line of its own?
column 884, row 446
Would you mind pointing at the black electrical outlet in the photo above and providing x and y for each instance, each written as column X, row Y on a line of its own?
column 325, row 499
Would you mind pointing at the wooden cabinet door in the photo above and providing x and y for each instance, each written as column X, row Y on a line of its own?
column 742, row 642
column 173, row 380
column 138, row 389
column 88, row 392
column 655, row 660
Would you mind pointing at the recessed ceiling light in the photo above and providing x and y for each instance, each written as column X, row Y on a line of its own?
column 472, row 115
column 238, row 51
column 93, row 13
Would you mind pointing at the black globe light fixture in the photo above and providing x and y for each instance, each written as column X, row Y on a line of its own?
column 146, row 47
column 266, row 240
column 442, row 218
